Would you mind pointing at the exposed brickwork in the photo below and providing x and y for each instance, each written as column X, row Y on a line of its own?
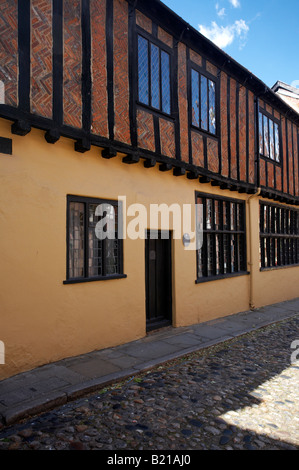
column 291, row 171
column 233, row 135
column 278, row 178
column 276, row 114
column 9, row 50
column 183, row 106
column 242, row 133
column 167, row 138
column 270, row 169
column 224, row 134
column 197, row 150
column 211, row 68
column 196, row 58
column 262, row 172
column 72, row 70
column 261, row 104
column 146, row 134
column 41, row 57
column 269, row 109
column 121, row 72
column 213, row 159
column 251, row 106
column 99, row 98
column 144, row 22
column 165, row 37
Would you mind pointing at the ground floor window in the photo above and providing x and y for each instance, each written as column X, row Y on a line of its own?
column 94, row 248
column 279, row 235
column 223, row 250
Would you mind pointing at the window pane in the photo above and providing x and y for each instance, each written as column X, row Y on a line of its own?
column 271, row 128
column 76, row 240
column 95, row 254
column 226, row 253
column 165, row 73
column 204, row 103
column 266, row 137
column 210, row 256
column 277, row 151
column 112, row 246
column 209, row 214
column 155, row 76
column 195, row 98
column 212, row 106
column 261, row 139
column 143, row 73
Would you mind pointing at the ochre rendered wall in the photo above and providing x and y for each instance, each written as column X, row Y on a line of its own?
column 43, row 320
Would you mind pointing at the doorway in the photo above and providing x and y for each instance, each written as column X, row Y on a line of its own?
column 158, row 279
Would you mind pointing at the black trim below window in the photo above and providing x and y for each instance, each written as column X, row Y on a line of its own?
column 223, row 225
column 90, row 256
column 279, row 236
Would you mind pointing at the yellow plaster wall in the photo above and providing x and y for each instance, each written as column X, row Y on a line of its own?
column 41, row 319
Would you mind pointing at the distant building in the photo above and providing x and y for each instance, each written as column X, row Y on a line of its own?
column 288, row 93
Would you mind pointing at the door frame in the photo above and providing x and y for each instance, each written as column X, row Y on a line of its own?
column 169, row 316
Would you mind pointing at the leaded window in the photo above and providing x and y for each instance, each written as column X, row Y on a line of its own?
column 153, row 76
column 94, row 246
column 269, row 137
column 279, row 236
column 203, row 91
column 223, row 251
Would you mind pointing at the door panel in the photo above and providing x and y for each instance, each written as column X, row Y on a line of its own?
column 158, row 282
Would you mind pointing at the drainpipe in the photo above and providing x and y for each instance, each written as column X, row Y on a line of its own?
column 250, row 263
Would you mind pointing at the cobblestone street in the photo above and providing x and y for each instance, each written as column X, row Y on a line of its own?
column 239, row 395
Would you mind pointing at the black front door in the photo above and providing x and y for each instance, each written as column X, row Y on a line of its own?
column 158, row 281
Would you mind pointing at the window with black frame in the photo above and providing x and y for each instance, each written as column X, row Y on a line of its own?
column 203, row 98
column 279, row 236
column 223, row 250
column 154, row 89
column 94, row 248
column 269, row 137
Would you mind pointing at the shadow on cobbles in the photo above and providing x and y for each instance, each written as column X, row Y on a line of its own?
column 241, row 395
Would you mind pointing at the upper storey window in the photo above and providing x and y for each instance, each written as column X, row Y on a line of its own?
column 269, row 137
column 153, row 76
column 203, row 91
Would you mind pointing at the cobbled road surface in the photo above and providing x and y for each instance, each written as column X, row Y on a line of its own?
column 238, row 395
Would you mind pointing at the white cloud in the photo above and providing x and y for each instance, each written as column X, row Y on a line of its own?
column 223, row 36
column 235, row 3
column 220, row 11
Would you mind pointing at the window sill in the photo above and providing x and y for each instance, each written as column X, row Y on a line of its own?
column 275, row 268
column 94, row 279
column 269, row 159
column 221, row 276
column 204, row 132
column 156, row 111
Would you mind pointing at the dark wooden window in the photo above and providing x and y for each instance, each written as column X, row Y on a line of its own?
column 94, row 247
column 154, row 87
column 203, row 97
column 223, row 251
column 279, row 236
column 269, row 137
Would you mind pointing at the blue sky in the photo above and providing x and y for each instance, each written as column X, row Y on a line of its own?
column 262, row 35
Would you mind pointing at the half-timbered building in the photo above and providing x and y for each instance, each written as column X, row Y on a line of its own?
column 109, row 100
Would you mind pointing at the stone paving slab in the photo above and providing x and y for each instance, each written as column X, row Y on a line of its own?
column 72, row 377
